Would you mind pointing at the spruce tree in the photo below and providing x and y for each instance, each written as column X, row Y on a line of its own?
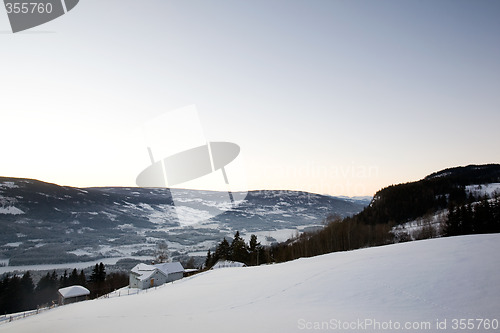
column 101, row 273
column 73, row 278
column 223, row 250
column 94, row 277
column 238, row 250
column 208, row 261
column 254, row 249
column 27, row 292
column 82, row 279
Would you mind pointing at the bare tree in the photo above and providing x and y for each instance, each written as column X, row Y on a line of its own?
column 161, row 252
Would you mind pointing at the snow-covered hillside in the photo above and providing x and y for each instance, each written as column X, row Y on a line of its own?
column 420, row 284
column 60, row 224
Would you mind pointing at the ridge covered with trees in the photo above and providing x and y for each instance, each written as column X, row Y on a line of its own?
column 399, row 204
column 19, row 294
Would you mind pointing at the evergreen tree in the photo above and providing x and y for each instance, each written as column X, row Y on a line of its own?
column 223, row 250
column 238, row 249
column 27, row 292
column 74, row 279
column 255, row 250
column 101, row 273
column 208, row 261
column 63, row 280
column 94, row 277
column 46, row 289
column 82, row 279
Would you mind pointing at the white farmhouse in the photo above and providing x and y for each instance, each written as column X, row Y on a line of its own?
column 145, row 276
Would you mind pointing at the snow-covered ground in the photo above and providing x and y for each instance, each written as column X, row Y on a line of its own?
column 489, row 190
column 420, row 284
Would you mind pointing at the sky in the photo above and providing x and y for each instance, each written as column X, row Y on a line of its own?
column 325, row 96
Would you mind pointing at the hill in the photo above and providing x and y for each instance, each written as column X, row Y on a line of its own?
column 405, row 202
column 421, row 284
column 455, row 201
column 48, row 223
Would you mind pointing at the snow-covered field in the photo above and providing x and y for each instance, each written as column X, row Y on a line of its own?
column 417, row 284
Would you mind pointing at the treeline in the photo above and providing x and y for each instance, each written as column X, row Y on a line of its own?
column 250, row 254
column 19, row 294
column 390, row 207
column 476, row 217
column 338, row 235
column 401, row 203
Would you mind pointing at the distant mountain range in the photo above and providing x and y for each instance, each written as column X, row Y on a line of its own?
column 48, row 223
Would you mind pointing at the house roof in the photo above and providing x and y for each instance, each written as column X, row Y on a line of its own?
column 73, row 291
column 228, row 263
column 170, row 267
column 144, row 271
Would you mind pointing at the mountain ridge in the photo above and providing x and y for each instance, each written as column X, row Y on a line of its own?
column 55, row 224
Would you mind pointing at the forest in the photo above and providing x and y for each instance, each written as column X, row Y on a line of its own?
column 19, row 293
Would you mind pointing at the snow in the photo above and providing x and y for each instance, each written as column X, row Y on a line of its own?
column 8, row 185
column 81, row 252
column 11, row 210
column 227, row 264
column 485, row 189
column 73, row 291
column 417, row 282
column 14, row 244
column 144, row 271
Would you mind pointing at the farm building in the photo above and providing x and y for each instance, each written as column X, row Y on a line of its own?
column 145, row 276
column 227, row 263
column 72, row 294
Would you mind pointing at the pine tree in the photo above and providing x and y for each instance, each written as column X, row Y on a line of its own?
column 208, row 261
column 46, row 289
column 254, row 249
column 27, row 292
column 74, row 278
column 63, row 281
column 238, row 250
column 94, row 277
column 82, row 280
column 101, row 273
column 223, row 250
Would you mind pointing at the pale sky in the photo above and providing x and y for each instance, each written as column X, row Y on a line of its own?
column 335, row 97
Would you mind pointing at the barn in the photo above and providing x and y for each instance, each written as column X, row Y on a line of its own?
column 144, row 276
column 227, row 263
column 72, row 294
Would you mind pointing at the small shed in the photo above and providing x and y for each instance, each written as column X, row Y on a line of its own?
column 72, row 294
column 145, row 276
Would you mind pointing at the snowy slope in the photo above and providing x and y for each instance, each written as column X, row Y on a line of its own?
column 415, row 282
column 489, row 190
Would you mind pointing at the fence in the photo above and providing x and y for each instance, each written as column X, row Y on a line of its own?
column 7, row 318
